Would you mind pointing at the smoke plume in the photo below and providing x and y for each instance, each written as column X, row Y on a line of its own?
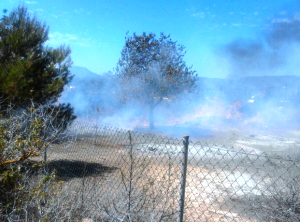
column 275, row 52
column 261, row 90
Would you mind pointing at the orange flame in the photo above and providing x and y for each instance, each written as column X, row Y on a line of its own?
column 233, row 111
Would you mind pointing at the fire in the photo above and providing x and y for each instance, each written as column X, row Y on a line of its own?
column 233, row 111
column 211, row 109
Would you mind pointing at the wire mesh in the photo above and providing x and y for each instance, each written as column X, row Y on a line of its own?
column 111, row 174
column 118, row 175
column 229, row 185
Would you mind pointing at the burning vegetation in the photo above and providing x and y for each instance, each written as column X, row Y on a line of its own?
column 262, row 88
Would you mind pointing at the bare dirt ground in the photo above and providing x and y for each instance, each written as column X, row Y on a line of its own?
column 280, row 141
column 221, row 185
column 273, row 139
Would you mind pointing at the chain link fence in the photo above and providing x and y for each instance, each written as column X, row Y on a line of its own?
column 110, row 174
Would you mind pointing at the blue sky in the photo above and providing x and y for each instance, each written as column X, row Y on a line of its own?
column 95, row 29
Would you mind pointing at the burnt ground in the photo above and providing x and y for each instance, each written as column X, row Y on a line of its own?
column 273, row 140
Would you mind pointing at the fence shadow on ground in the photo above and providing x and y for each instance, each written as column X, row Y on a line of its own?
column 141, row 176
column 70, row 169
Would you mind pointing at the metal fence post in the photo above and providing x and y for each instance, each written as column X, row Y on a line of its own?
column 95, row 142
column 45, row 160
column 183, row 177
column 130, row 175
column 45, row 154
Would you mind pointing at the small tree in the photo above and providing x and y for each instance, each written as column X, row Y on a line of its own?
column 25, row 133
column 29, row 70
column 152, row 69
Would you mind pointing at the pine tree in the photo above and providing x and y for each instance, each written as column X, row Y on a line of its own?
column 30, row 70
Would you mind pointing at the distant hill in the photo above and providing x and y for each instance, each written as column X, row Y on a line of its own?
column 265, row 88
column 259, row 81
column 271, row 81
column 83, row 75
column 87, row 91
column 255, row 82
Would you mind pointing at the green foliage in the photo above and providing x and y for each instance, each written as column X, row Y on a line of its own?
column 29, row 70
column 152, row 69
column 9, row 176
column 32, row 77
column 30, row 194
column 27, row 132
column 63, row 115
